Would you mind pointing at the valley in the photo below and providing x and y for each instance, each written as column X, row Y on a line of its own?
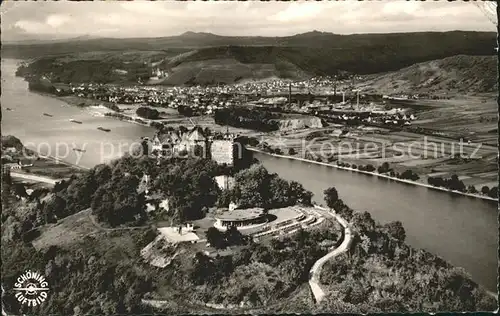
column 307, row 173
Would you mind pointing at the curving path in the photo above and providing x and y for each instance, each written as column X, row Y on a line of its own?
column 314, row 274
column 101, row 228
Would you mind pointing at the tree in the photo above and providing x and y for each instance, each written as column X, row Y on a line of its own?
column 20, row 190
column 215, row 238
column 102, row 174
column 456, row 184
column 409, row 174
column 253, row 185
column 118, row 202
column 225, row 198
column 485, row 190
column 331, row 196
column 278, row 193
column 190, row 186
column 299, row 194
column 147, row 113
column 383, row 168
column 291, row 151
column 207, row 131
column 471, row 189
column 234, row 237
column 395, row 230
column 12, row 229
column 185, row 110
column 54, row 208
column 369, row 168
column 363, row 222
column 343, row 210
column 493, row 193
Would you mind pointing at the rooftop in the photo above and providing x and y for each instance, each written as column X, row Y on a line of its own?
column 241, row 214
column 172, row 234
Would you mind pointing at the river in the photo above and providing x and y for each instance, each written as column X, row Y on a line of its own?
column 56, row 135
column 462, row 230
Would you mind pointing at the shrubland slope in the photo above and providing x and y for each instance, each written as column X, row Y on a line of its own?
column 457, row 74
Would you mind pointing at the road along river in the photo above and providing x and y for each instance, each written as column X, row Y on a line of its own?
column 460, row 229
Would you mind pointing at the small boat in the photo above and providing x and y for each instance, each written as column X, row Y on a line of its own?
column 80, row 150
column 8, row 109
column 75, row 121
column 103, row 129
column 47, row 114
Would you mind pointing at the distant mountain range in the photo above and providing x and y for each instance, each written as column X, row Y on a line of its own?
column 469, row 42
column 204, row 58
column 44, row 41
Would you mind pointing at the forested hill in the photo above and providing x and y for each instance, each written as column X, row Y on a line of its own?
column 204, row 58
column 474, row 43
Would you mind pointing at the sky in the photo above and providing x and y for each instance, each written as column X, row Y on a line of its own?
column 55, row 20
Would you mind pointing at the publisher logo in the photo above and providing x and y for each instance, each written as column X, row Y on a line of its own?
column 31, row 288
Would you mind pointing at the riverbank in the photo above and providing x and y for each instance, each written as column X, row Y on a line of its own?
column 111, row 108
column 34, row 178
column 48, row 170
column 39, row 167
column 375, row 174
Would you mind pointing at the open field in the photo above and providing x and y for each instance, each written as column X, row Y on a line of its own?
column 39, row 165
column 77, row 229
column 67, row 231
column 473, row 117
column 50, row 168
column 402, row 150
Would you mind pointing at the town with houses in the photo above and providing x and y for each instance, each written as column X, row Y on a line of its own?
column 317, row 96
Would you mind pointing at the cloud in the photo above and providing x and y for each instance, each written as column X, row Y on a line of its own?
column 53, row 24
column 405, row 7
column 299, row 11
column 57, row 20
column 28, row 26
column 166, row 18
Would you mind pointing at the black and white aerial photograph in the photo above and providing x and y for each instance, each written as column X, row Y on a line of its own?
column 248, row 157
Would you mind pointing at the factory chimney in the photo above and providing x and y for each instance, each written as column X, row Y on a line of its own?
column 357, row 100
column 290, row 94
